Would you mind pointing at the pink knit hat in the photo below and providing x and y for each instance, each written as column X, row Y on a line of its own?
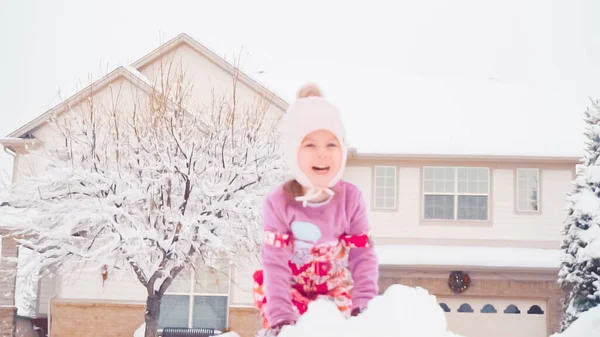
column 311, row 112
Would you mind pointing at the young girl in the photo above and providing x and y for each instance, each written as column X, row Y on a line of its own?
column 317, row 241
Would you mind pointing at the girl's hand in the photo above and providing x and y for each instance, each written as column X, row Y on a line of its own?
column 276, row 328
column 356, row 311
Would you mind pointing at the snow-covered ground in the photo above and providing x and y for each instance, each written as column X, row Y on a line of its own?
column 400, row 311
column 587, row 325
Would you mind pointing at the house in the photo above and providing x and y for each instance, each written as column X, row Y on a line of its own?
column 497, row 219
column 70, row 305
column 480, row 232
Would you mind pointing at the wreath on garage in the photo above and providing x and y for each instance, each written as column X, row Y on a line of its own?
column 459, row 282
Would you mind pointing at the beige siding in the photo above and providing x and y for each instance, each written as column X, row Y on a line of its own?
column 122, row 91
column 207, row 78
column 8, row 249
column 505, row 223
column 87, row 284
column 241, row 285
column 47, row 289
column 544, row 225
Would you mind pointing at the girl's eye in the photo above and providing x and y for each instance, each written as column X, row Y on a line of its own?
column 332, row 145
column 309, row 145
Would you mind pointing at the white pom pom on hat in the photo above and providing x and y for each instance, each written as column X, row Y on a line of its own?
column 309, row 113
column 309, row 90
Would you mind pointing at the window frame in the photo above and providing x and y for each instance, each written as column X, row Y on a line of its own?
column 191, row 294
column 456, row 194
column 374, row 206
column 539, row 192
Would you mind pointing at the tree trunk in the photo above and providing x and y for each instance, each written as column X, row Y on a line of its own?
column 152, row 315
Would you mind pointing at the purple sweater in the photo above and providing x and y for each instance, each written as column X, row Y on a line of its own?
column 345, row 213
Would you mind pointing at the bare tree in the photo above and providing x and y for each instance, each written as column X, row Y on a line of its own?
column 148, row 185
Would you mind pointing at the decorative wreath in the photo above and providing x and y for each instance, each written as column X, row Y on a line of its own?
column 459, row 282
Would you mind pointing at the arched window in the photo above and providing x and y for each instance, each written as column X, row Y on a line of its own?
column 512, row 309
column 465, row 307
column 488, row 309
column 535, row 310
column 445, row 307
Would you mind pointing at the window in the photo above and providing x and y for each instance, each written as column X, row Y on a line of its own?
column 465, row 307
column 445, row 307
column 385, row 187
column 528, row 186
column 456, row 193
column 535, row 310
column 488, row 309
column 512, row 309
column 197, row 299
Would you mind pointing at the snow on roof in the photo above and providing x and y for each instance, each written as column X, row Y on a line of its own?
column 465, row 256
column 388, row 111
column 16, row 141
column 139, row 75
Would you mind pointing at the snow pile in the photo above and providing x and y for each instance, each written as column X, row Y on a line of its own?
column 141, row 331
column 587, row 325
column 401, row 311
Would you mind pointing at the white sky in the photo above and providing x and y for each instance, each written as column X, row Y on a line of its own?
column 460, row 76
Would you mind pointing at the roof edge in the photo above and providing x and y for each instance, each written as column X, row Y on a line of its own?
column 354, row 154
column 78, row 96
column 470, row 268
column 214, row 58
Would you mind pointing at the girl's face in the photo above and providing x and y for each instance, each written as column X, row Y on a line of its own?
column 320, row 157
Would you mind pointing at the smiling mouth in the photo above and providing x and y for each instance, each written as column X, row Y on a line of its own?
column 321, row 169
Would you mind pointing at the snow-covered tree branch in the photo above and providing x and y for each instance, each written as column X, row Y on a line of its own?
column 148, row 185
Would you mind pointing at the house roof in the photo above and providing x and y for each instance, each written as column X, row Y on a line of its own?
column 469, row 257
column 357, row 154
column 17, row 137
column 214, row 58
column 131, row 73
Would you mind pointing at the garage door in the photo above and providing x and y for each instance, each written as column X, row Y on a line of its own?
column 480, row 317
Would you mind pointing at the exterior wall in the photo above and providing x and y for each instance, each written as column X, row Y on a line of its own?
column 76, row 319
column 8, row 249
column 207, row 77
column 245, row 321
column 87, row 284
column 242, row 283
column 7, row 271
column 7, row 321
column 505, row 224
column 121, row 90
column 46, row 289
column 105, row 319
column 487, row 285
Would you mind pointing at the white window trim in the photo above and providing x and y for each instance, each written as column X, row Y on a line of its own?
column 456, row 194
column 517, row 189
column 191, row 295
column 375, row 207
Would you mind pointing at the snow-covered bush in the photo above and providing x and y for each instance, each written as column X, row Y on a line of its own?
column 580, row 270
